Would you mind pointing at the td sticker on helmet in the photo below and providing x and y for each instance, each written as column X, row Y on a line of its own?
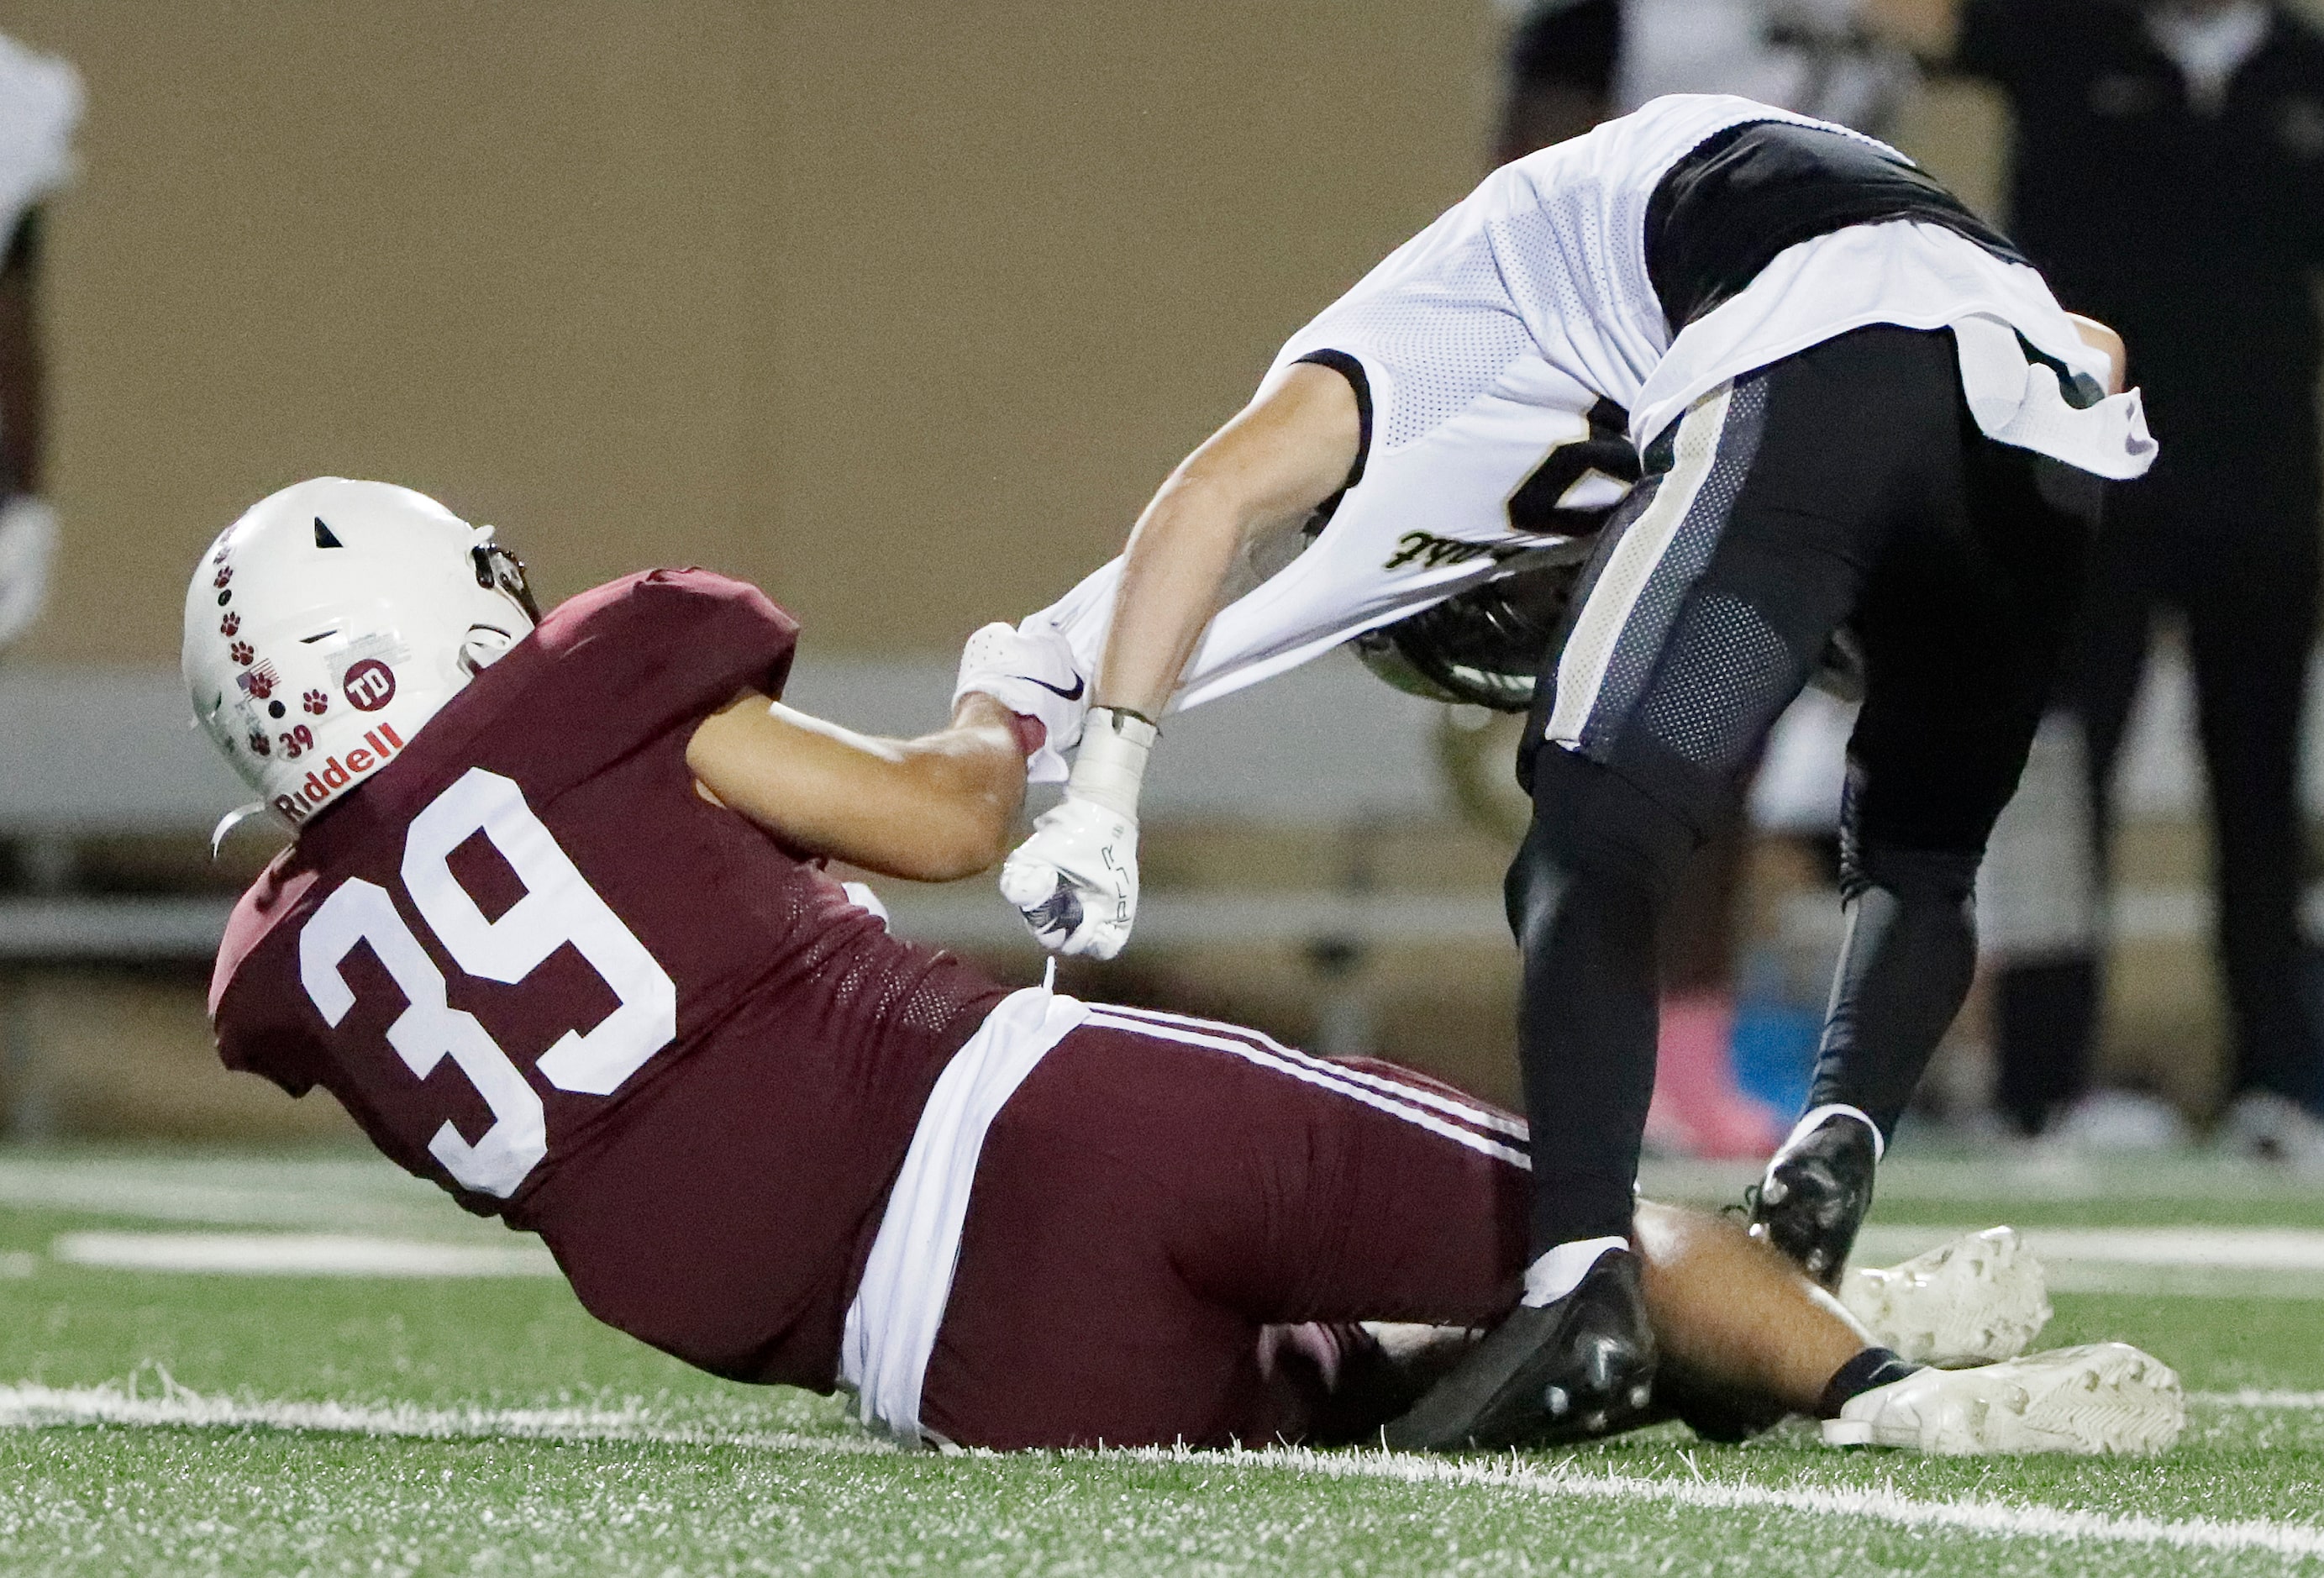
column 368, row 685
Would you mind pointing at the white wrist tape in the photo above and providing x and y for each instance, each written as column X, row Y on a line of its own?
column 1111, row 762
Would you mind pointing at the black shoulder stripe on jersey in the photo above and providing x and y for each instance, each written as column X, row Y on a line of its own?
column 1350, row 369
column 1723, row 213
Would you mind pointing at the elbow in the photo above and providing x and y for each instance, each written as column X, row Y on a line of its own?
column 961, row 845
column 951, row 862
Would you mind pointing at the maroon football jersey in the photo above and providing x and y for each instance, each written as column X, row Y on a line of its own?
column 538, row 968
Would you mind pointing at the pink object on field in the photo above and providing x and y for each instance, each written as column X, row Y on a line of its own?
column 1699, row 1109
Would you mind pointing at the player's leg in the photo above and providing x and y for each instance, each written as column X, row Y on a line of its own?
column 2047, row 868
column 2251, row 616
column 1177, row 1224
column 1962, row 626
column 1713, row 598
column 1738, row 1321
column 1161, row 1191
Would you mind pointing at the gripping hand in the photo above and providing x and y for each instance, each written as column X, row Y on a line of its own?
column 1030, row 670
column 1076, row 880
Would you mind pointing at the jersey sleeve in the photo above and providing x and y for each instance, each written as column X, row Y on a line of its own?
column 250, row 1027
column 653, row 649
column 286, row 1058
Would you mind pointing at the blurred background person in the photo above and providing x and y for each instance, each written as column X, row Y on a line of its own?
column 1573, row 63
column 40, row 106
column 2168, row 177
column 1568, row 65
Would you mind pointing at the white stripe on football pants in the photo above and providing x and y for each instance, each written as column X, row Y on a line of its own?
column 1597, row 631
column 1244, row 1049
column 1467, row 1111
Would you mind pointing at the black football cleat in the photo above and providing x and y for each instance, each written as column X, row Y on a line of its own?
column 1581, row 1365
column 1816, row 1192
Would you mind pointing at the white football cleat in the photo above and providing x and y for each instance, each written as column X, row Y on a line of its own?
column 2101, row 1399
column 1977, row 1300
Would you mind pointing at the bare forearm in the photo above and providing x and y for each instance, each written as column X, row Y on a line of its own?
column 1172, row 576
column 1280, row 457
column 933, row 809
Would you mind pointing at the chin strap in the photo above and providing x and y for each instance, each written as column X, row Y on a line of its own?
column 232, row 820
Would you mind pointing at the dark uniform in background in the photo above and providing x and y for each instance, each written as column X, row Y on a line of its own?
column 2185, row 207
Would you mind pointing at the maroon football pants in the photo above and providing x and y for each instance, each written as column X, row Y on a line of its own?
column 1162, row 1189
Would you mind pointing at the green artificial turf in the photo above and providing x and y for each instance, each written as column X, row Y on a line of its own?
column 736, row 1478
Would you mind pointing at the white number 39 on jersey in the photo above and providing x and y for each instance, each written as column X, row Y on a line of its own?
column 558, row 907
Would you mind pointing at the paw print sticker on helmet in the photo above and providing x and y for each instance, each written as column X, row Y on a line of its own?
column 316, row 702
column 241, row 652
column 224, row 578
column 229, row 624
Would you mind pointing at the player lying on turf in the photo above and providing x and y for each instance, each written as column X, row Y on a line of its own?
column 1861, row 424
column 556, row 930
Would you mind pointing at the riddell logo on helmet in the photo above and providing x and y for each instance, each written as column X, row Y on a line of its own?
column 334, row 775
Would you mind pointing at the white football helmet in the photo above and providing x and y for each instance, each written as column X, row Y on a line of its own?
column 331, row 621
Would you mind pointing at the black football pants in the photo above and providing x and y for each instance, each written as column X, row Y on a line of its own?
column 2234, row 547
column 1845, row 486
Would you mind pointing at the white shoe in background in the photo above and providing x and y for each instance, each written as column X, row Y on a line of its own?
column 2116, row 1123
column 2105, row 1399
column 28, row 544
column 2273, row 1128
column 1981, row 1298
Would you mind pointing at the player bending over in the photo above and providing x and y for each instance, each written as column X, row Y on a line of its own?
column 1867, row 429
column 556, row 930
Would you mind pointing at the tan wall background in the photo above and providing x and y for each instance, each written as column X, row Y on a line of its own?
column 901, row 310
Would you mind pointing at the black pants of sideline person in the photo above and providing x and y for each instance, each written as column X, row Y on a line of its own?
column 2234, row 550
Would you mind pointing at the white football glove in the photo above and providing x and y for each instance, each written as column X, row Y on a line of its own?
column 1076, row 880
column 1030, row 670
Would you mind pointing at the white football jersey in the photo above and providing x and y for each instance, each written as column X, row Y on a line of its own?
column 1508, row 349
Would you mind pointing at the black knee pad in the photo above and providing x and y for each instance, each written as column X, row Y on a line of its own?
column 1591, row 825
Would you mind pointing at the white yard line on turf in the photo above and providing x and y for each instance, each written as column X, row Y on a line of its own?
column 27, row 1406
column 2258, row 1397
column 2273, row 1250
column 1967, row 1515
column 299, row 1254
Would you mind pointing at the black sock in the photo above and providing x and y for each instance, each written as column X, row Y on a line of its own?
column 1874, row 1367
